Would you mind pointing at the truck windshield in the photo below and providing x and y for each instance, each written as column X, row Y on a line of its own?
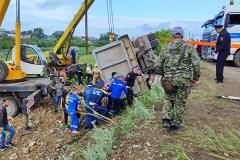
column 219, row 20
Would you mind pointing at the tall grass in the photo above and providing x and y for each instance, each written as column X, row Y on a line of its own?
column 142, row 109
column 227, row 141
column 176, row 150
column 102, row 146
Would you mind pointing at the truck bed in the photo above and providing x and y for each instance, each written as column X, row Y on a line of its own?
column 31, row 84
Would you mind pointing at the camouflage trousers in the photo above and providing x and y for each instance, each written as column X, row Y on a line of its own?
column 175, row 103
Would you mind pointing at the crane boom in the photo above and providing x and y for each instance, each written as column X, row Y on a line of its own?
column 63, row 44
column 3, row 9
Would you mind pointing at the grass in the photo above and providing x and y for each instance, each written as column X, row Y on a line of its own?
column 227, row 141
column 89, row 59
column 175, row 150
column 142, row 110
column 102, row 146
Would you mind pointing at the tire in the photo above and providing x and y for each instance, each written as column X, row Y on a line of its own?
column 3, row 70
column 236, row 59
column 151, row 37
column 154, row 44
column 13, row 109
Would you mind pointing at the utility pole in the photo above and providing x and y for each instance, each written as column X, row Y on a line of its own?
column 86, row 28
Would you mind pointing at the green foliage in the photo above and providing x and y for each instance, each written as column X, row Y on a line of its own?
column 57, row 34
column 6, row 42
column 164, row 34
column 142, row 109
column 38, row 33
column 175, row 150
column 227, row 141
column 103, row 141
column 73, row 81
column 103, row 40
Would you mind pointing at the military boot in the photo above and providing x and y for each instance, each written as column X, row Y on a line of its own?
column 166, row 123
column 175, row 128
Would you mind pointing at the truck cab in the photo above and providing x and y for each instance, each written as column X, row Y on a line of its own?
column 32, row 60
column 230, row 19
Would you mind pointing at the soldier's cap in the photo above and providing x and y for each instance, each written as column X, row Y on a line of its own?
column 218, row 26
column 177, row 31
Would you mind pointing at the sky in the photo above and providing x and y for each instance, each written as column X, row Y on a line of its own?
column 133, row 17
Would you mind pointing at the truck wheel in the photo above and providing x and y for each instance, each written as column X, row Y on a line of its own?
column 13, row 109
column 236, row 59
column 3, row 70
column 154, row 44
column 152, row 37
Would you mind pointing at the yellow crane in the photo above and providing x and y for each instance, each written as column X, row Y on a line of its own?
column 12, row 71
column 62, row 47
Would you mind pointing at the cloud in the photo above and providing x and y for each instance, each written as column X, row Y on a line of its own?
column 51, row 4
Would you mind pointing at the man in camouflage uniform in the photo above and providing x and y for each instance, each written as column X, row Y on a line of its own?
column 187, row 73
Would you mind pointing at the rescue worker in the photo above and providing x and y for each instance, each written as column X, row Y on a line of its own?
column 4, row 126
column 116, row 89
column 130, row 80
column 73, row 103
column 96, row 74
column 113, row 78
column 179, row 58
column 73, row 55
column 93, row 97
column 59, row 87
column 222, row 51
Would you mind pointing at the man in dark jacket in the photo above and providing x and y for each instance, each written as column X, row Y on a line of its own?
column 130, row 80
column 5, row 126
column 222, row 50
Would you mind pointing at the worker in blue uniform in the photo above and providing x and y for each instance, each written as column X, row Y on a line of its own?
column 73, row 103
column 223, row 47
column 116, row 89
column 93, row 98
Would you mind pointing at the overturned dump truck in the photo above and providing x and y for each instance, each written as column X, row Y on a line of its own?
column 122, row 55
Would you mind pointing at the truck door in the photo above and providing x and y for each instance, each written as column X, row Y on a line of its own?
column 233, row 26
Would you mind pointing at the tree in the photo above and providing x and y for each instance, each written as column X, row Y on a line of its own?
column 30, row 32
column 164, row 34
column 38, row 33
column 57, row 34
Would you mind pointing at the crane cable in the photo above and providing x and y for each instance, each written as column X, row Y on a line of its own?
column 110, row 19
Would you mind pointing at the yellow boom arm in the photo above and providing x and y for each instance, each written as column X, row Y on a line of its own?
column 63, row 44
column 3, row 9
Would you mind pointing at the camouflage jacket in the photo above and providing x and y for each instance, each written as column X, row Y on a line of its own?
column 167, row 61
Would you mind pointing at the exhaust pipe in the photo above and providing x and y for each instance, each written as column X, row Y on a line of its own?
column 231, row 2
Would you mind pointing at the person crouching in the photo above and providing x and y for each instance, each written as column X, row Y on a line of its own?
column 116, row 89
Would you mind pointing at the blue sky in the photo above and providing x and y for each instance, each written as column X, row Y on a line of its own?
column 134, row 17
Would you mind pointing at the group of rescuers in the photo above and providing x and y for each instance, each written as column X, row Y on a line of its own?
column 178, row 63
